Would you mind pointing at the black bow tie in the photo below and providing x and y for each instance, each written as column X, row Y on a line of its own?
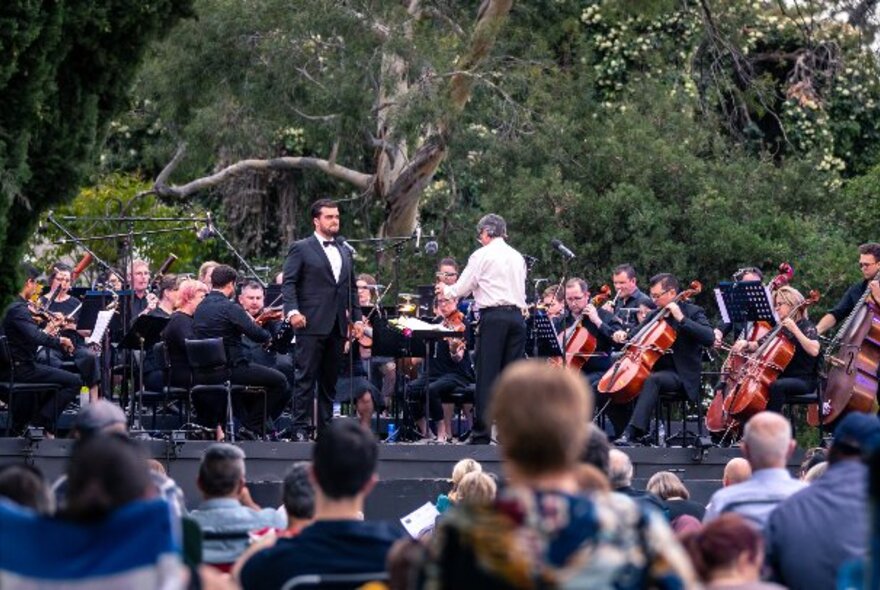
column 327, row 243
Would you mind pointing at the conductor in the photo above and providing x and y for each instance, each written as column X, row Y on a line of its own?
column 319, row 290
column 496, row 275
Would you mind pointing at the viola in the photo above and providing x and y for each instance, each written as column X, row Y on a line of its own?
column 850, row 364
column 750, row 387
column 716, row 419
column 455, row 322
column 269, row 314
column 624, row 380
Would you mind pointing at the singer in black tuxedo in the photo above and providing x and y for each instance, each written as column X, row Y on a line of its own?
column 320, row 298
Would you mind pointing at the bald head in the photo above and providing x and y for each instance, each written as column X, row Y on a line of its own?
column 620, row 469
column 767, row 441
column 736, row 471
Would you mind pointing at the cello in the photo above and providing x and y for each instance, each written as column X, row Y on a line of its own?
column 624, row 380
column 850, row 364
column 716, row 419
column 580, row 344
column 750, row 387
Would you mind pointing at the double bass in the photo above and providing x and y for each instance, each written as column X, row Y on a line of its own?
column 580, row 344
column 624, row 380
column 750, row 386
column 716, row 419
column 850, row 364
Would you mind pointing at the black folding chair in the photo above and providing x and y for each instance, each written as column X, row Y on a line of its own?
column 11, row 388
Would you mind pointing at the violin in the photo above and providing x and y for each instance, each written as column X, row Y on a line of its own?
column 850, row 364
column 269, row 314
column 455, row 322
column 624, row 380
column 716, row 419
column 364, row 337
column 750, row 387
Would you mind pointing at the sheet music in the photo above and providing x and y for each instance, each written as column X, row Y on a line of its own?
column 421, row 520
column 722, row 307
column 100, row 328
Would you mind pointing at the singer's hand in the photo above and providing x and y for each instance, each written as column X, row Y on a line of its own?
column 298, row 320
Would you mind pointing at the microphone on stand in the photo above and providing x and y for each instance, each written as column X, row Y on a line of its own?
column 207, row 232
column 560, row 247
column 343, row 242
column 432, row 247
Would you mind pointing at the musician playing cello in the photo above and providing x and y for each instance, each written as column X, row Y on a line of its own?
column 799, row 377
column 869, row 264
column 601, row 323
column 678, row 372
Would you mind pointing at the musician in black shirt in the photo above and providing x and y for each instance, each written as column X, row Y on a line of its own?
column 628, row 296
column 218, row 317
column 24, row 336
column 869, row 264
column 85, row 359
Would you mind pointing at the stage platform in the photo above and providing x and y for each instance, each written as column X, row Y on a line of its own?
column 410, row 474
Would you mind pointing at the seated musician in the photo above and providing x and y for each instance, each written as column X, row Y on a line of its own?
column 24, row 335
column 799, row 377
column 553, row 299
column 381, row 370
column 167, row 296
column 599, row 322
column 869, row 264
column 627, row 295
column 142, row 300
column 678, row 372
column 64, row 303
column 218, row 317
column 450, row 370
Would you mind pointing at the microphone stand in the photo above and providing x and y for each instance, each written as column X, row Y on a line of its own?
column 565, row 310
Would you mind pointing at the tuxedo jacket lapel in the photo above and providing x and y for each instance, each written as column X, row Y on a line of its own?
column 318, row 248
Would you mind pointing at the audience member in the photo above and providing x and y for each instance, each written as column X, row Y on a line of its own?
column 728, row 554
column 736, row 471
column 478, row 488
column 105, row 472
column 598, row 541
column 25, row 485
column 343, row 473
column 620, row 475
column 815, row 472
column 812, row 533
column 767, row 445
column 227, row 513
column 462, row 468
column 597, row 448
column 669, row 488
column 590, row 479
column 812, row 457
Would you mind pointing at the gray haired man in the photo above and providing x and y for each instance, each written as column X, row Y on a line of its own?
column 496, row 275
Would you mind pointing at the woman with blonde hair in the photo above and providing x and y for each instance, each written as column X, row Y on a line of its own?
column 799, row 377
column 462, row 468
column 669, row 488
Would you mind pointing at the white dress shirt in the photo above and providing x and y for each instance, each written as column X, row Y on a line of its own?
column 495, row 274
column 333, row 255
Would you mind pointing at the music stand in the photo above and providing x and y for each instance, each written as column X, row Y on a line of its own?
column 745, row 301
column 145, row 331
column 546, row 341
column 427, row 339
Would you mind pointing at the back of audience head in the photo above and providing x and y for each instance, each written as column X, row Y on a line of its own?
column 815, row 472
column 726, row 546
column 767, row 441
column 855, row 438
column 620, row 469
column 477, row 489
column 221, row 471
column 100, row 416
column 25, row 485
column 298, row 494
column 811, row 458
column 105, row 472
column 462, row 468
column 736, row 471
column 541, row 414
column 666, row 485
column 597, row 448
column 590, row 479
column 344, row 460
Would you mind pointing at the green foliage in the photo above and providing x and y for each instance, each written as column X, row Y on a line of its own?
column 66, row 71
column 115, row 196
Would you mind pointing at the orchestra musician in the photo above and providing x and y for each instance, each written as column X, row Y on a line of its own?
column 24, row 335
column 65, row 304
column 869, row 264
column 553, row 299
column 743, row 275
column 450, row 370
column 205, row 271
column 168, row 292
column 319, row 290
column 218, row 317
column 447, row 271
column 601, row 323
column 496, row 275
column 627, row 297
column 678, row 372
column 799, row 377
column 142, row 300
column 381, row 371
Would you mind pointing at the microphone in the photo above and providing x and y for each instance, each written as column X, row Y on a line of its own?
column 342, row 241
column 560, row 247
column 207, row 232
column 432, row 247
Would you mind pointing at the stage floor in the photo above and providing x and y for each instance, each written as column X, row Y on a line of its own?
column 410, row 474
